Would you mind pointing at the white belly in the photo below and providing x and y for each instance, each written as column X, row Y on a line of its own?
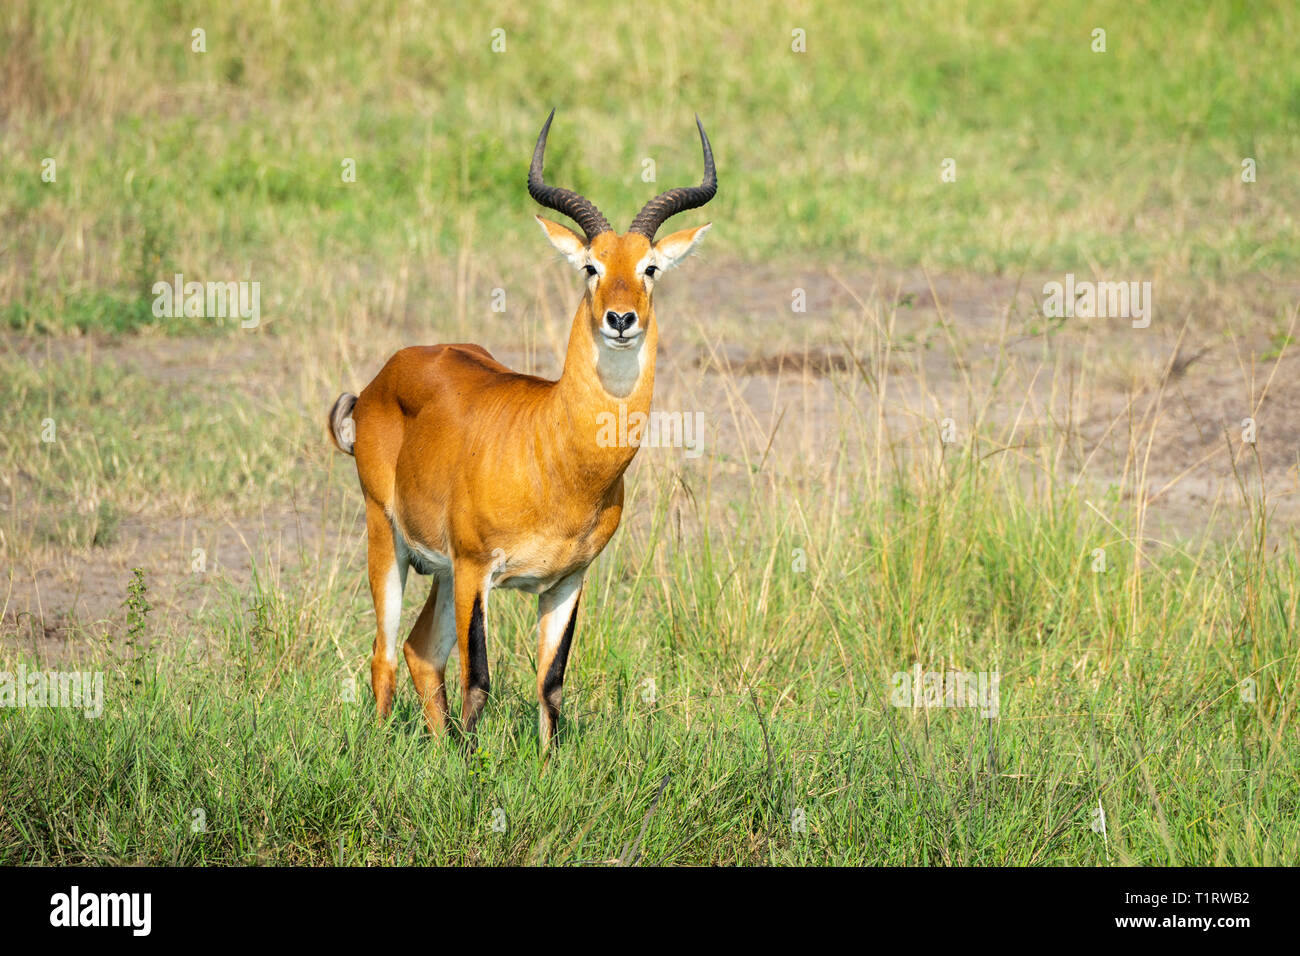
column 533, row 570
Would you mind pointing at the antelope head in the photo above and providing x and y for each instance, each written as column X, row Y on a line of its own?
column 621, row 270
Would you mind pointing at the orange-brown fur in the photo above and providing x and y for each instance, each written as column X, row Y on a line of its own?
column 502, row 474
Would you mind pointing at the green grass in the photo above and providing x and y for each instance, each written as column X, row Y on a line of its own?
column 86, row 439
column 770, row 600
column 772, row 696
column 226, row 164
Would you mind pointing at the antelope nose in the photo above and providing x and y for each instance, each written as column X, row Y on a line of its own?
column 620, row 323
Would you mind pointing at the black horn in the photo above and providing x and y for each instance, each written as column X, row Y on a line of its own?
column 578, row 208
column 654, row 213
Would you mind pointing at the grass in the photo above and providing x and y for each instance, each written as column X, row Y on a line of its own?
column 730, row 692
column 227, row 164
column 742, row 646
column 89, row 439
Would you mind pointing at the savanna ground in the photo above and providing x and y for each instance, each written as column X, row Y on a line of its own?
column 919, row 469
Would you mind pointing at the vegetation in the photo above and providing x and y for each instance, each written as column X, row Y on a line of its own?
column 732, row 695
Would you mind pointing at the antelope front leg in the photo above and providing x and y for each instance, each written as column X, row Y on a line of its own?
column 557, row 615
column 387, row 580
column 469, row 582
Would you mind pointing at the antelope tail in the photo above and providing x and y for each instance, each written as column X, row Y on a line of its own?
column 342, row 429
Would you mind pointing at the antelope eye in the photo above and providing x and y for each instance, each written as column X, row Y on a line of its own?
column 650, row 271
column 591, row 270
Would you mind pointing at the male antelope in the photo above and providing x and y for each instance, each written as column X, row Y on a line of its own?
column 485, row 478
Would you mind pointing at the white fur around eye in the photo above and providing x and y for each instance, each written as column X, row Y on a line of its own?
column 649, row 262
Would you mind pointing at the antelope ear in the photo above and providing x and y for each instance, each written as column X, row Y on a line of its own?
column 672, row 249
column 564, row 239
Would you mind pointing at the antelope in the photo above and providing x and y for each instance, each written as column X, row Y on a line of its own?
column 484, row 478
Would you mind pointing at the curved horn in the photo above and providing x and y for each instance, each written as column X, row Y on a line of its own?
column 670, row 203
column 578, row 208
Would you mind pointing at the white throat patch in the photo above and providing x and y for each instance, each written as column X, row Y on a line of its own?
column 619, row 369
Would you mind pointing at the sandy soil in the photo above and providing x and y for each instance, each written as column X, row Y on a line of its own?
column 774, row 384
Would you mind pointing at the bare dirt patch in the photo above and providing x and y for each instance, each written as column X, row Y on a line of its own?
column 774, row 383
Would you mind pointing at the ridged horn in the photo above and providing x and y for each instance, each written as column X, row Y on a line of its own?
column 578, row 208
column 654, row 213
